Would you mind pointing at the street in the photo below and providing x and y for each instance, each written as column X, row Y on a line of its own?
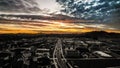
column 60, row 61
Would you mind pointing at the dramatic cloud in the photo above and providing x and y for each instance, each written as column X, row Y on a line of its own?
column 18, row 6
column 28, row 6
column 102, row 10
column 65, row 16
column 50, row 6
column 48, row 26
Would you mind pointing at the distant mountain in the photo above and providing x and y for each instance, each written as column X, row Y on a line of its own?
column 102, row 34
column 94, row 35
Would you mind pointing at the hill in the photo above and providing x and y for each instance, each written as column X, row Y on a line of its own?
column 94, row 35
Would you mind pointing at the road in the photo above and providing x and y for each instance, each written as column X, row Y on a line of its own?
column 60, row 61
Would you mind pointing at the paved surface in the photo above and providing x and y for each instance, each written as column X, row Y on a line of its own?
column 60, row 61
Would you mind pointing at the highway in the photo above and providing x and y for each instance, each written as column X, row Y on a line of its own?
column 58, row 57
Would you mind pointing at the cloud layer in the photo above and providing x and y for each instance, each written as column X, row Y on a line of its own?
column 105, row 13
column 48, row 26
column 18, row 6
column 102, row 10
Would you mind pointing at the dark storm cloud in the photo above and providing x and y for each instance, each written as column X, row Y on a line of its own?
column 102, row 10
column 18, row 6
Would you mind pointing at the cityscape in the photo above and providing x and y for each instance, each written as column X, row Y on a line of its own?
column 59, row 51
column 59, row 33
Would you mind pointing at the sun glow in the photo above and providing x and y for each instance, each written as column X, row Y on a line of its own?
column 46, row 26
column 48, row 6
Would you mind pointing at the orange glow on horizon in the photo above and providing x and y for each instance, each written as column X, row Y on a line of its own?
column 47, row 27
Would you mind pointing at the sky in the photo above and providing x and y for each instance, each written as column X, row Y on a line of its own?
column 104, row 13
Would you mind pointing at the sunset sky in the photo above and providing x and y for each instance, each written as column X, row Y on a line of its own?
column 78, row 16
